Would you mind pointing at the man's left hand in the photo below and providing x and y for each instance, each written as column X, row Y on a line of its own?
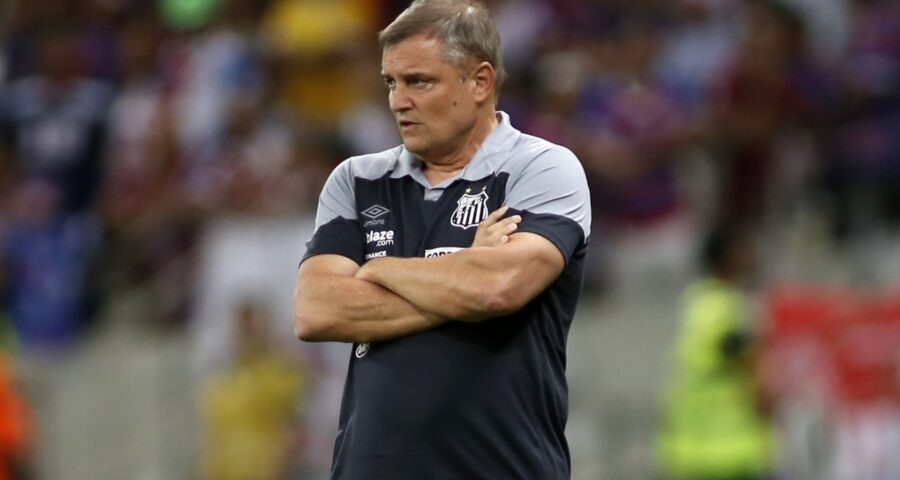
column 495, row 230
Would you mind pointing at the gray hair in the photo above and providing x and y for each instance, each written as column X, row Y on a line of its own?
column 464, row 26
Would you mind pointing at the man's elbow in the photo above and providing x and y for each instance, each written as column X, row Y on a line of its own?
column 510, row 291
column 312, row 326
column 500, row 300
column 506, row 303
column 309, row 328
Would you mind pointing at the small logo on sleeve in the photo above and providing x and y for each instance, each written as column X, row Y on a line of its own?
column 470, row 209
column 361, row 350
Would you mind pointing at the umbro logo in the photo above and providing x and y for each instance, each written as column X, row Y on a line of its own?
column 375, row 211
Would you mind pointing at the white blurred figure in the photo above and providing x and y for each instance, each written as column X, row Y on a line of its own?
column 520, row 24
column 867, row 442
column 211, row 66
column 368, row 125
column 695, row 52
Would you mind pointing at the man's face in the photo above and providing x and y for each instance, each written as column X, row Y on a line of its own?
column 432, row 99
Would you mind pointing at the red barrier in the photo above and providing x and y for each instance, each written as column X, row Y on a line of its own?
column 840, row 343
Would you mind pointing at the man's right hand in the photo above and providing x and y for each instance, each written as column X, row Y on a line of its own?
column 495, row 230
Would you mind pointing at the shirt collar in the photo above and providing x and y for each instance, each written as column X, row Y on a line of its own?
column 495, row 149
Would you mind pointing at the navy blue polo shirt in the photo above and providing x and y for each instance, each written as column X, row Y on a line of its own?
column 484, row 400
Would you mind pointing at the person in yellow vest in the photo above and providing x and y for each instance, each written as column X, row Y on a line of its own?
column 713, row 425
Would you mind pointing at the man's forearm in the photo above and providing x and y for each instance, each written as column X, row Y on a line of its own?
column 462, row 286
column 331, row 307
column 472, row 284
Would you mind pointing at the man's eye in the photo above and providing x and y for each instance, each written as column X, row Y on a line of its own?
column 389, row 83
column 419, row 83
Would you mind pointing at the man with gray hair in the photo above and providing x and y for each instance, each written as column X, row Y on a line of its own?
column 459, row 317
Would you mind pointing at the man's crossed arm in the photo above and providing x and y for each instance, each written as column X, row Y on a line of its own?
column 337, row 300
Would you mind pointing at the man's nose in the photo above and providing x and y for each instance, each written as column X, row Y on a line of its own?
column 399, row 100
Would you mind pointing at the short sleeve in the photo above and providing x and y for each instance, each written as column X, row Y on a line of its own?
column 337, row 229
column 551, row 194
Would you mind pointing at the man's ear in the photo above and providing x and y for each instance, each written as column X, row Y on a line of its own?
column 483, row 77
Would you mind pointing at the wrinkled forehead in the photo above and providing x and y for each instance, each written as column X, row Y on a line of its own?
column 418, row 51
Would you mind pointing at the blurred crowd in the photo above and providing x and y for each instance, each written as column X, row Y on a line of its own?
column 179, row 146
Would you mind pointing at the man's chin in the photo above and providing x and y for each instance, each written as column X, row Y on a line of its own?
column 412, row 146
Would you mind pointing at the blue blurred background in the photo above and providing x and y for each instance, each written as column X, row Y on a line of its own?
column 160, row 162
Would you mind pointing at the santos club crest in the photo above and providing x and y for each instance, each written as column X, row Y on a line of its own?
column 470, row 210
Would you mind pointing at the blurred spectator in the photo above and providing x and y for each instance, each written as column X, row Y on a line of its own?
column 249, row 408
column 47, row 260
column 713, row 427
column 209, row 67
column 16, row 426
column 254, row 185
column 255, row 165
column 245, row 252
column 635, row 128
column 863, row 169
column 56, row 120
column 696, row 48
column 149, row 225
column 770, row 87
column 311, row 44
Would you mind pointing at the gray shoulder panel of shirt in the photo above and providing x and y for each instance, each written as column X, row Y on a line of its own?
column 546, row 178
column 338, row 198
